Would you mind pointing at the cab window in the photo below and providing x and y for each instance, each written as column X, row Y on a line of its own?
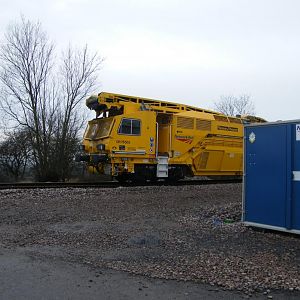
column 130, row 127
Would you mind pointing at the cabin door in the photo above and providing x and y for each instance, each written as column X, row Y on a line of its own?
column 164, row 134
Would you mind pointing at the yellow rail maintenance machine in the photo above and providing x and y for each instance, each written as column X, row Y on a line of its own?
column 141, row 139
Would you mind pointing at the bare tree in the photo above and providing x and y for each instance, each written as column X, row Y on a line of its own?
column 26, row 57
column 231, row 105
column 78, row 77
column 41, row 99
column 15, row 153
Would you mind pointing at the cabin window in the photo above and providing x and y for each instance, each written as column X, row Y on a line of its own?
column 130, row 127
column 98, row 128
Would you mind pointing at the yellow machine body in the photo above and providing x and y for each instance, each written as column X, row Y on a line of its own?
column 144, row 139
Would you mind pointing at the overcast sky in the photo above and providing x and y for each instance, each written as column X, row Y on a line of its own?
column 187, row 51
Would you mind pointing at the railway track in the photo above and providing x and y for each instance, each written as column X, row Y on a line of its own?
column 108, row 184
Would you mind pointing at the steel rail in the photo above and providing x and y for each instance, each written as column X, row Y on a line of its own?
column 110, row 184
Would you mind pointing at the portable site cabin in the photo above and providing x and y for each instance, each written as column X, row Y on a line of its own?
column 271, row 191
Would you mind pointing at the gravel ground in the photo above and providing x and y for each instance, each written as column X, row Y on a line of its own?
column 190, row 233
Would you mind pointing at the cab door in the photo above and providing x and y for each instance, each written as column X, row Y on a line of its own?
column 163, row 138
column 164, row 134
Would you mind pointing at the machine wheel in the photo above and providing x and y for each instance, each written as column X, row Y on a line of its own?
column 139, row 178
column 122, row 178
column 172, row 179
column 153, row 179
